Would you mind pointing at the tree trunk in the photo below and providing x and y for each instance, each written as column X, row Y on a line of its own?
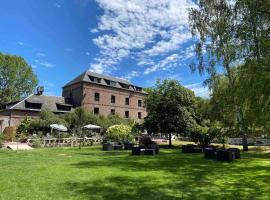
column 170, row 140
column 239, row 114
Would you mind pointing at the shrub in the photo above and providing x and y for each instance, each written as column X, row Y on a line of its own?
column 204, row 135
column 37, row 141
column 146, row 141
column 119, row 133
column 2, row 139
column 23, row 129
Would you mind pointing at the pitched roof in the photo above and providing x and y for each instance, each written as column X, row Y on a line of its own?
column 104, row 79
column 47, row 102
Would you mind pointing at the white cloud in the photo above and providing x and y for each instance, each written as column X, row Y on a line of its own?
column 130, row 75
column 57, row 5
column 166, row 63
column 20, row 43
column 142, row 30
column 41, row 54
column 87, row 53
column 44, row 63
column 171, row 61
column 198, row 89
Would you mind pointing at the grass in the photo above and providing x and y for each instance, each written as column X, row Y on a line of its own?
column 89, row 173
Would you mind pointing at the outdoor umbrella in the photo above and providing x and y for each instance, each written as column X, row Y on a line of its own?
column 91, row 126
column 59, row 127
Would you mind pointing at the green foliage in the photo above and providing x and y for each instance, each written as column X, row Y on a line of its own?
column 17, row 78
column 230, row 32
column 137, row 129
column 170, row 107
column 73, row 120
column 46, row 119
column 119, row 133
column 23, row 128
column 204, row 135
column 2, row 139
column 37, row 141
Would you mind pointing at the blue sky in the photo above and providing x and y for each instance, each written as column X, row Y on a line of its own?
column 138, row 40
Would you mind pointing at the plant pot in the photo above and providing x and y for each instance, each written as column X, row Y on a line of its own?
column 107, row 147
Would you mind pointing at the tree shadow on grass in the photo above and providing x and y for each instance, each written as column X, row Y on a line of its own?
column 120, row 188
column 188, row 176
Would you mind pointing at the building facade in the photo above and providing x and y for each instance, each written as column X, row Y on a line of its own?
column 13, row 113
column 106, row 95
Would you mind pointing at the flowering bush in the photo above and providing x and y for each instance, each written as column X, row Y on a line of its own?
column 119, row 133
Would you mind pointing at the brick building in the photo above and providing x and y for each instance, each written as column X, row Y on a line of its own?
column 13, row 113
column 106, row 95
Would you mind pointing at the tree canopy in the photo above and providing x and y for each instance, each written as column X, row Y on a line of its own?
column 17, row 79
column 170, row 108
column 230, row 32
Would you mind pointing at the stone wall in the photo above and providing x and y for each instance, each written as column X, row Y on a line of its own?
column 14, row 118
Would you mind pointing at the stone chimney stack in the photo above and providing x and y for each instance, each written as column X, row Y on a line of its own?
column 40, row 90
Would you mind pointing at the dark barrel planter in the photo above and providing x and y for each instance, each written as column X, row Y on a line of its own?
column 150, row 152
column 225, row 155
column 127, row 146
column 188, row 148
column 197, row 150
column 107, row 147
column 136, row 151
column 155, row 147
column 210, row 153
column 117, row 147
column 236, row 152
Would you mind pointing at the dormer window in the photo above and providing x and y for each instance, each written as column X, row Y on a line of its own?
column 63, row 107
column 94, row 79
column 138, row 89
column 32, row 105
column 111, row 83
column 126, row 86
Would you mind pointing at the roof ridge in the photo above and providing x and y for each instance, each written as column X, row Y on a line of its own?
column 21, row 101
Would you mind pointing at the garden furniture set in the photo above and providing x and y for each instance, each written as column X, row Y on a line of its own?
column 211, row 152
column 112, row 146
column 222, row 154
column 152, row 150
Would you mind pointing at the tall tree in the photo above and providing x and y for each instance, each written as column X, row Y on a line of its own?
column 171, row 108
column 17, row 78
column 229, row 32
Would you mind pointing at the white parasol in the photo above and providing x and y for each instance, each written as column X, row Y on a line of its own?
column 59, row 127
column 91, row 126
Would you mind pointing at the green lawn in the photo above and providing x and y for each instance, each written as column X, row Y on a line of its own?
column 90, row 173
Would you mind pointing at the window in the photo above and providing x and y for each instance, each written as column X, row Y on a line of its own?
column 124, row 85
column 63, row 107
column 96, row 111
column 139, row 103
column 139, row 115
column 138, row 89
column 112, row 99
column 96, row 96
column 112, row 111
column 111, row 83
column 127, row 101
column 33, row 105
column 127, row 114
column 94, row 79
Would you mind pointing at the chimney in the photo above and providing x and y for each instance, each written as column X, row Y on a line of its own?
column 40, row 90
